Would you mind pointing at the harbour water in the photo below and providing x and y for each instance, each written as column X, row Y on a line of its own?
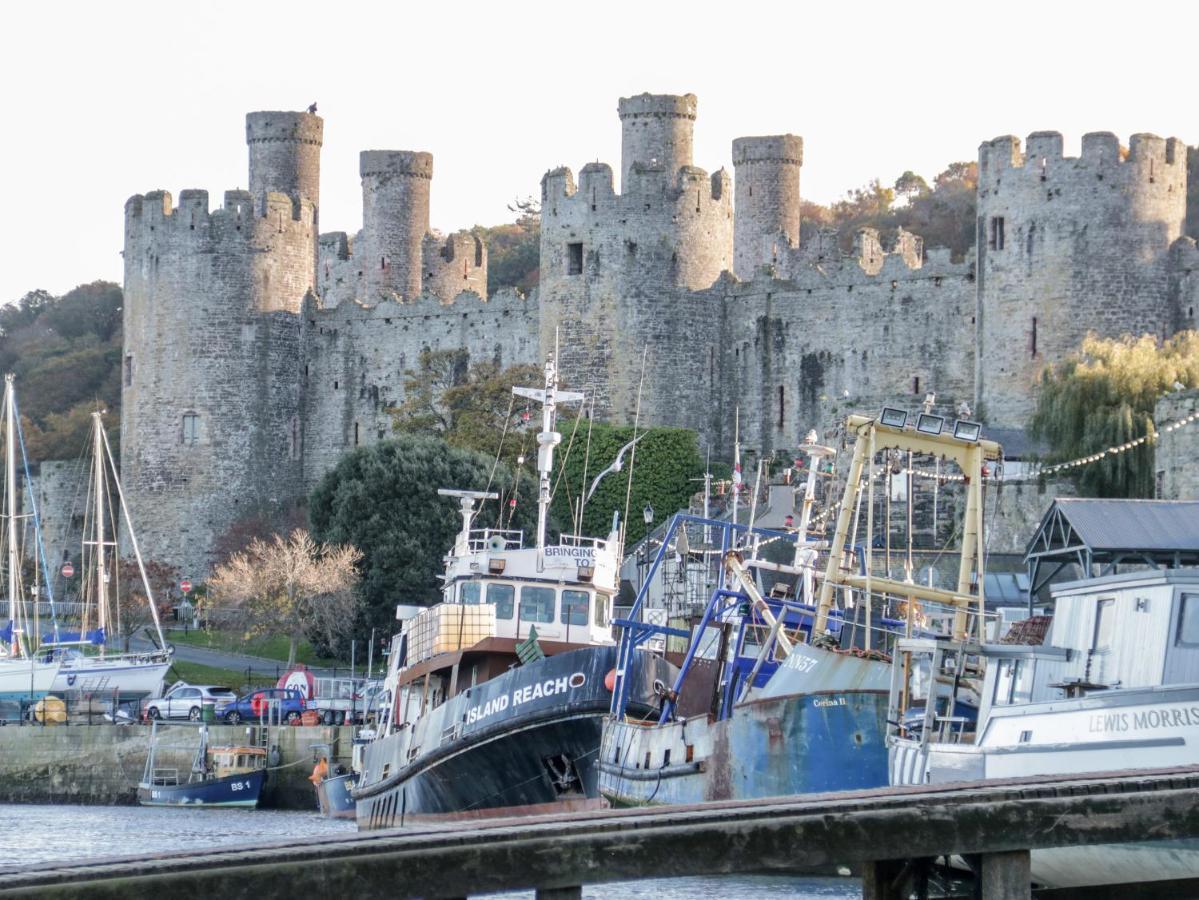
column 42, row 833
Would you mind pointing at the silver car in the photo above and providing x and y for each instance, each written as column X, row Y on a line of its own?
column 186, row 701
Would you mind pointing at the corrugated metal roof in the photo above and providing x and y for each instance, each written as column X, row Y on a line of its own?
column 1134, row 524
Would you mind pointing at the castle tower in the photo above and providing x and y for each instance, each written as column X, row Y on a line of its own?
column 395, row 220
column 210, row 413
column 656, row 132
column 285, row 155
column 1066, row 246
column 766, row 199
column 613, row 265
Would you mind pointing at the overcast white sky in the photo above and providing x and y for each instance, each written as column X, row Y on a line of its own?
column 105, row 100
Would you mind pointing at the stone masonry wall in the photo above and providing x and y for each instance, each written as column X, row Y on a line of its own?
column 1177, row 451
column 356, row 356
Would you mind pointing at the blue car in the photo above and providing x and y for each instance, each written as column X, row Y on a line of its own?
column 260, row 704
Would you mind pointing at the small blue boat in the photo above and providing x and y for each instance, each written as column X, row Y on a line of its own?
column 220, row 776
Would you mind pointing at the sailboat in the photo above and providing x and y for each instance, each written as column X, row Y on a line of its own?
column 22, row 676
column 87, row 666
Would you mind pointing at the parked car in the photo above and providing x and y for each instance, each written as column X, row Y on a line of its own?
column 256, row 704
column 186, row 701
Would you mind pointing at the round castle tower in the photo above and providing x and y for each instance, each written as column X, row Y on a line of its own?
column 766, row 205
column 395, row 220
column 612, row 264
column 210, row 429
column 1066, row 246
column 656, row 131
column 285, row 154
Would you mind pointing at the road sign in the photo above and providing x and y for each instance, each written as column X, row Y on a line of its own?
column 185, row 586
column 68, row 570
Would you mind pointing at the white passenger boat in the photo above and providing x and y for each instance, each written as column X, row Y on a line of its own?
column 1113, row 685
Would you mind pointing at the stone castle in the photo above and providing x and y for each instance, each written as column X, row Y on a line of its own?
column 259, row 350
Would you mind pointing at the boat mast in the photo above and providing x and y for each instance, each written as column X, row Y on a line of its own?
column 547, row 439
column 736, row 462
column 137, row 553
column 10, row 486
column 101, row 569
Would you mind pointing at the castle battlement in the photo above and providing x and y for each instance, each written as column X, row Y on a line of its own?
column 1148, row 158
column 462, row 306
column 155, row 209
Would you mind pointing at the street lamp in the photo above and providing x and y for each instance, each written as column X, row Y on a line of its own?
column 648, row 514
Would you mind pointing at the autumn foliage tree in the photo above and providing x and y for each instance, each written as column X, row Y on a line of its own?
column 291, row 585
column 467, row 406
column 133, row 611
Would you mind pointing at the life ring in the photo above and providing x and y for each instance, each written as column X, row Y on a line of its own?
column 257, row 702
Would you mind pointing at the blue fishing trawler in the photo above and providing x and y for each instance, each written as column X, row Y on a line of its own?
column 784, row 685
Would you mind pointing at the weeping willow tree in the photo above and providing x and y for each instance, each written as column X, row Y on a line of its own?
column 1104, row 396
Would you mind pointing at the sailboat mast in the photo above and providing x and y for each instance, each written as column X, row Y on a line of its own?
column 101, row 567
column 10, row 486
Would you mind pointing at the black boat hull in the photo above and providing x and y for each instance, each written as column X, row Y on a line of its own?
column 508, row 755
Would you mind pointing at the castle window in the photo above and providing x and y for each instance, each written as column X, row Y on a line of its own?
column 355, row 434
column 997, row 232
column 781, row 407
column 128, row 369
column 191, row 429
column 1032, row 338
column 916, row 384
column 383, row 263
column 335, row 385
column 574, row 259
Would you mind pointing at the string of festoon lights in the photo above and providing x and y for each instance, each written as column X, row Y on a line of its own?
column 1089, row 459
column 819, row 518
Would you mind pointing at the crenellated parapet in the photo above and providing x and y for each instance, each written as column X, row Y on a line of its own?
column 264, row 248
column 453, row 265
column 676, row 224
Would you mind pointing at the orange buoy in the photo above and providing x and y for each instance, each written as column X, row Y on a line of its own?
column 610, row 680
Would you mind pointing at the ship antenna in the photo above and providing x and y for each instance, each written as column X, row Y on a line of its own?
column 547, row 439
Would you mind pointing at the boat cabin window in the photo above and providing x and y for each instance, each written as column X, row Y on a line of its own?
column 470, row 592
column 536, row 604
column 574, row 607
column 601, row 611
column 1104, row 623
column 500, row 596
column 1013, row 682
column 1188, row 621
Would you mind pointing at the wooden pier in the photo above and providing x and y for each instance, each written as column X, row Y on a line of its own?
column 889, row 834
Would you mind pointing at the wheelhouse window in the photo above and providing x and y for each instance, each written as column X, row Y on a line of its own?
column 536, row 604
column 470, row 593
column 574, row 608
column 601, row 611
column 500, row 596
column 1188, row 621
column 1013, row 683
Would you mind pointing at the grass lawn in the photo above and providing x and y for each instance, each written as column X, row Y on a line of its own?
column 194, row 673
column 274, row 647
